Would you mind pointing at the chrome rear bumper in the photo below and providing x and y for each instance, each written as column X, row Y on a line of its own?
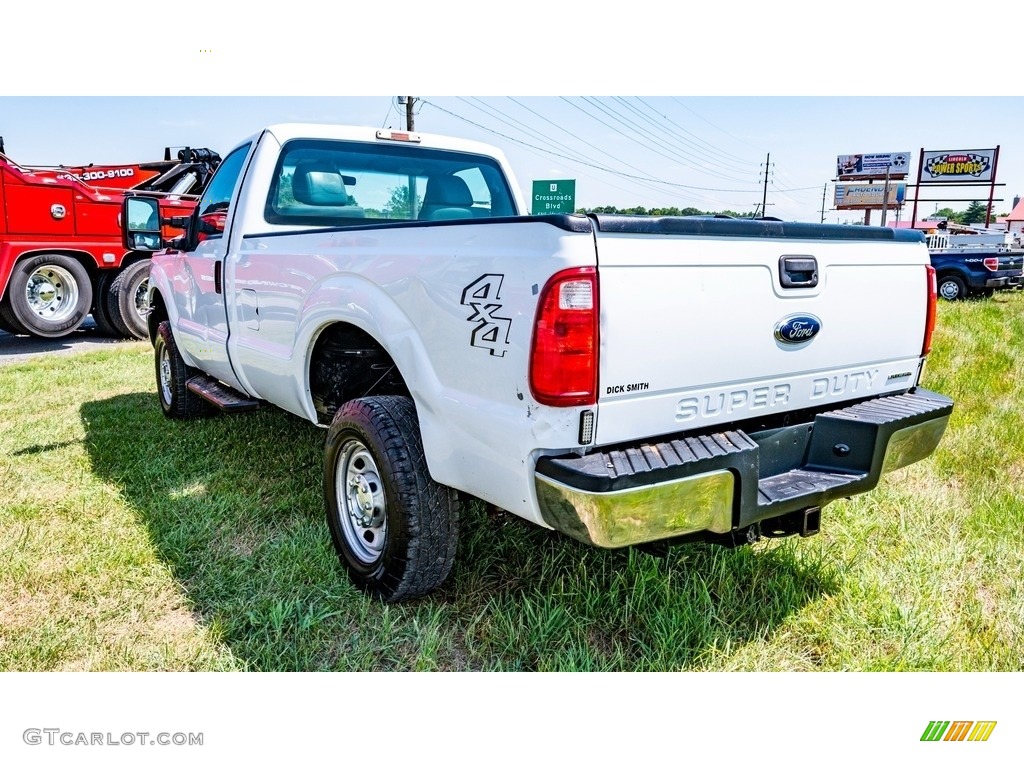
column 730, row 480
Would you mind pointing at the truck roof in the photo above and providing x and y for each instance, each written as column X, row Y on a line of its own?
column 287, row 131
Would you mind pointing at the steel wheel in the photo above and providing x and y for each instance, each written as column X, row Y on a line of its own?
column 361, row 507
column 395, row 528
column 52, row 293
column 164, row 376
column 172, row 374
column 48, row 294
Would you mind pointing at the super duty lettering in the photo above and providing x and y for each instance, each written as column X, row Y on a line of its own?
column 733, row 402
column 621, row 379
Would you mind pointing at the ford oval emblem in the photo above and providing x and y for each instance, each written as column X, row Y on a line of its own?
column 797, row 329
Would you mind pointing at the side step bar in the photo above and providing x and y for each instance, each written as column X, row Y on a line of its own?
column 221, row 395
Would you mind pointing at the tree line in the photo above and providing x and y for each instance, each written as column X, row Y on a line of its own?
column 973, row 214
column 639, row 210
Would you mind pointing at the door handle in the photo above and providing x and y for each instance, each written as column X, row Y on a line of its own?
column 218, row 275
column 798, row 271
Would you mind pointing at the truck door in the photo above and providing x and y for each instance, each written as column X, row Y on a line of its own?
column 203, row 326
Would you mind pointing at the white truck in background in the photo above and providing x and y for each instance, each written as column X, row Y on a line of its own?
column 624, row 380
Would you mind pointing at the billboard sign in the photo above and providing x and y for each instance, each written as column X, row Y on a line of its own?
column 865, row 196
column 958, row 165
column 554, row 196
column 873, row 166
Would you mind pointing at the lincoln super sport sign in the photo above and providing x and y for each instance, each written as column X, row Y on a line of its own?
column 959, row 165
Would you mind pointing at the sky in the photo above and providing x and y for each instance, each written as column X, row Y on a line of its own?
column 706, row 152
column 697, row 110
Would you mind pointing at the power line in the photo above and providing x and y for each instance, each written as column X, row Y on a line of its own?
column 675, row 157
column 702, row 162
column 501, row 116
column 391, row 105
column 570, row 159
column 707, row 152
column 530, row 148
column 575, row 136
column 741, row 141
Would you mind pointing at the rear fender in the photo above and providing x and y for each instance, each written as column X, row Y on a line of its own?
column 355, row 301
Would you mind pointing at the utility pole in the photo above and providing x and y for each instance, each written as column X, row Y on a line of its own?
column 824, row 189
column 410, row 124
column 885, row 196
column 764, row 199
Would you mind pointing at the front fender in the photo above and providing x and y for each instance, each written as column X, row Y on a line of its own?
column 164, row 280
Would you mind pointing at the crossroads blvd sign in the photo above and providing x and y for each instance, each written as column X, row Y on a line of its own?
column 554, row 196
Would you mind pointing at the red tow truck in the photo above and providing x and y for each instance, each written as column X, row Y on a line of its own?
column 61, row 257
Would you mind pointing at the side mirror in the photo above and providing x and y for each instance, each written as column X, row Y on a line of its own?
column 140, row 224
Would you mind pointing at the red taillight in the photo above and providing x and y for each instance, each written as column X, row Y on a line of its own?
column 564, row 353
column 929, row 325
column 991, row 264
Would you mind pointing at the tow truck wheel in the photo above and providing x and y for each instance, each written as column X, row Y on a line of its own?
column 952, row 288
column 172, row 374
column 126, row 300
column 394, row 528
column 50, row 294
column 8, row 322
column 99, row 305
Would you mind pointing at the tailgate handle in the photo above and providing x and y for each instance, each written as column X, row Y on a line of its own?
column 798, row 271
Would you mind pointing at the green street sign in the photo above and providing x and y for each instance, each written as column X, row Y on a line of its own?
column 554, row 196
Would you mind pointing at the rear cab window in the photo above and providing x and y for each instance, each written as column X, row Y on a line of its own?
column 345, row 183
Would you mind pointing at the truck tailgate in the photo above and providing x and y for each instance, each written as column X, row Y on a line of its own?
column 699, row 326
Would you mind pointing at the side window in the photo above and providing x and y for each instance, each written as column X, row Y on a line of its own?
column 213, row 205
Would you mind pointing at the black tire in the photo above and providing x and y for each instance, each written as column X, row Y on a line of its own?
column 403, row 544
column 50, row 294
column 8, row 322
column 952, row 288
column 176, row 400
column 99, row 305
column 126, row 300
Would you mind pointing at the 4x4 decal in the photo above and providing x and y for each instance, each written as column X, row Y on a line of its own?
column 490, row 331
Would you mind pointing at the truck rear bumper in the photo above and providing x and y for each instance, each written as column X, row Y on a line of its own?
column 997, row 282
column 727, row 481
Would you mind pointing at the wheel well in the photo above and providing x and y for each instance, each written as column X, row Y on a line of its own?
column 157, row 314
column 132, row 257
column 348, row 363
column 82, row 257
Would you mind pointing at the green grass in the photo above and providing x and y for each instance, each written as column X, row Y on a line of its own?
column 128, row 542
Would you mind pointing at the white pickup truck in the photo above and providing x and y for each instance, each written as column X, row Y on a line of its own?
column 624, row 380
